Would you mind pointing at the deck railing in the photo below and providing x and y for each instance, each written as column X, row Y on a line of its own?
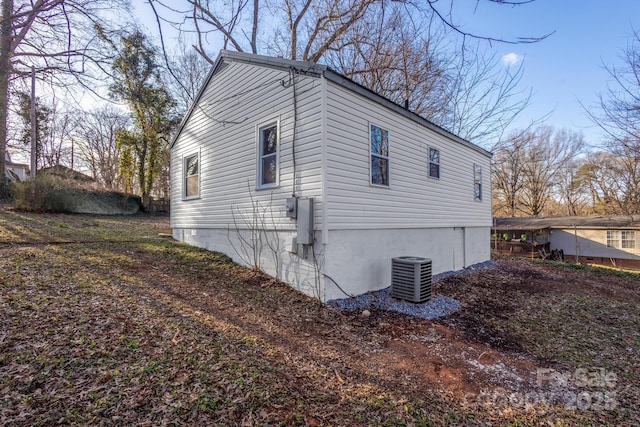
column 518, row 248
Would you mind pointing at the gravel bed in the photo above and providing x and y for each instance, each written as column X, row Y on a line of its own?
column 437, row 306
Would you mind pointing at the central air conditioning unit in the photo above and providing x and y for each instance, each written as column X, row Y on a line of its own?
column 411, row 278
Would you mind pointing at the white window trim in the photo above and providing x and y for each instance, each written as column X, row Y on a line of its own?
column 259, row 127
column 477, row 198
column 184, row 175
column 429, row 163
column 371, row 183
column 623, row 240
column 616, row 237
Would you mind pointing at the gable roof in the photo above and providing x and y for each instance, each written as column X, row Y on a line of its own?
column 9, row 162
column 16, row 165
column 317, row 70
column 603, row 222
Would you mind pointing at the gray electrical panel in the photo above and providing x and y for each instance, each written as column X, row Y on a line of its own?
column 305, row 221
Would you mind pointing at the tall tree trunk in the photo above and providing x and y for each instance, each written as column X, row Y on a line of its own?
column 142, row 173
column 5, row 71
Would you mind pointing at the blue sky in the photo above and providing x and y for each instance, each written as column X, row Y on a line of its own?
column 567, row 67
column 562, row 70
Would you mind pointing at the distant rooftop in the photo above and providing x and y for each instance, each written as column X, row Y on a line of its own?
column 602, row 221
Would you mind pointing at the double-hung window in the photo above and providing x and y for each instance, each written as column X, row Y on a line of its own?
column 268, row 141
column 477, row 182
column 621, row 239
column 613, row 238
column 379, row 143
column 628, row 239
column 191, row 176
column 434, row 163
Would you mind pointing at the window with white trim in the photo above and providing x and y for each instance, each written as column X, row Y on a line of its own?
column 434, row 163
column 621, row 239
column 628, row 239
column 477, row 182
column 268, row 167
column 379, row 143
column 191, row 170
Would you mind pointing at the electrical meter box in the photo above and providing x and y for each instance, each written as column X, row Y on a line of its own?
column 292, row 207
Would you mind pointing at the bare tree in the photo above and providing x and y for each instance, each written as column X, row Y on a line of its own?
column 618, row 112
column 235, row 22
column 254, row 227
column 548, row 153
column 188, row 71
column 409, row 59
column 527, row 169
column 312, row 27
column 444, row 11
column 507, row 171
column 54, row 125
column 615, row 178
column 50, row 35
column 55, row 148
column 629, row 179
column 613, row 182
column 573, row 190
column 95, row 134
column 405, row 51
column 396, row 64
column 483, row 98
column 304, row 29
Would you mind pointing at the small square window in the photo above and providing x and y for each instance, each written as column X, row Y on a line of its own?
column 379, row 139
column 268, row 155
column 191, row 176
column 434, row 163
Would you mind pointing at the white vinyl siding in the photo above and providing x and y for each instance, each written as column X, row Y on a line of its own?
column 412, row 200
column 330, row 135
column 596, row 242
column 223, row 127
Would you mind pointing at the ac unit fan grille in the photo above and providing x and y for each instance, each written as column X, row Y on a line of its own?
column 411, row 279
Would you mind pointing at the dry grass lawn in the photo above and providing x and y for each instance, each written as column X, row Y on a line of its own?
column 103, row 322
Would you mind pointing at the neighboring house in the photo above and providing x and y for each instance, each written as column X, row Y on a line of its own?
column 608, row 240
column 15, row 171
column 372, row 180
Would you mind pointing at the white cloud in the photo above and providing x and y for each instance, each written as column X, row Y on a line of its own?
column 511, row 59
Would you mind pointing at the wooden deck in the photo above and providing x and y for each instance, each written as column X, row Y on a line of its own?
column 518, row 248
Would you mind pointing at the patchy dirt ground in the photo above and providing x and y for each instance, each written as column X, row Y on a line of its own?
column 105, row 323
